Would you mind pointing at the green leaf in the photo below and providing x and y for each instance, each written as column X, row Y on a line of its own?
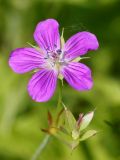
column 86, row 120
column 88, row 134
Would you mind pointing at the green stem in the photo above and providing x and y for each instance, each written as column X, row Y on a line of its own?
column 41, row 147
column 60, row 95
column 47, row 137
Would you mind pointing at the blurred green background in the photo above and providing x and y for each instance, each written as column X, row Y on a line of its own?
column 21, row 118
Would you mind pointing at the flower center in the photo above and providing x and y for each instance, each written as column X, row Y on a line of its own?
column 55, row 59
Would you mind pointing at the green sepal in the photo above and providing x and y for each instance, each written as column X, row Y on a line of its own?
column 75, row 134
column 36, row 47
column 88, row 134
column 62, row 41
column 74, row 144
column 70, row 122
column 76, row 59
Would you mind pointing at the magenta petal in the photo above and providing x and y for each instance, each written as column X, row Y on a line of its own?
column 47, row 35
column 79, row 44
column 25, row 59
column 78, row 76
column 42, row 85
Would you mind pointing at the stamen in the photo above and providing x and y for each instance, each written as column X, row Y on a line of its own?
column 62, row 55
column 47, row 55
column 59, row 51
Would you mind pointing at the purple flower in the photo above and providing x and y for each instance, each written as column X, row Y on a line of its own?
column 51, row 60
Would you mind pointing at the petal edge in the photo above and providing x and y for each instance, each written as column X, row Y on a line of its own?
column 79, row 44
column 23, row 60
column 47, row 34
column 78, row 76
column 42, row 85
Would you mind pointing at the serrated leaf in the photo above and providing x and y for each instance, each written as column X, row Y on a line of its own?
column 86, row 120
column 88, row 134
column 70, row 121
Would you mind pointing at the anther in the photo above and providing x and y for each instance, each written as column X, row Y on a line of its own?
column 59, row 51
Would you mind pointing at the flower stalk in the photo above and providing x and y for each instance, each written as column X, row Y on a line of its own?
column 59, row 95
column 45, row 141
column 41, row 147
